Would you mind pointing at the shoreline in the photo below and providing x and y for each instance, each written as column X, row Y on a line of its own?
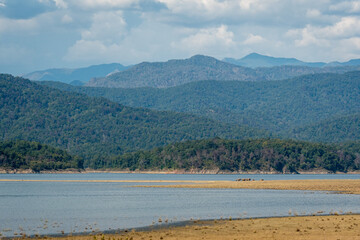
column 190, row 172
column 312, row 226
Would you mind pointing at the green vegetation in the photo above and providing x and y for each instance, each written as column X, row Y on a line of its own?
column 339, row 129
column 95, row 127
column 35, row 156
column 242, row 155
column 287, row 107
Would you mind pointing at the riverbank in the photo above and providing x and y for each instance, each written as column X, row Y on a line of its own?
column 303, row 227
column 179, row 171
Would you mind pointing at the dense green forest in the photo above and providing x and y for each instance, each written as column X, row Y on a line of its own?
column 337, row 129
column 35, row 156
column 284, row 156
column 282, row 107
column 95, row 127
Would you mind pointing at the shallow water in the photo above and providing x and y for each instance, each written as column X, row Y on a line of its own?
column 53, row 207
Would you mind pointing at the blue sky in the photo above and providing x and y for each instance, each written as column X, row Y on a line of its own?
column 40, row 34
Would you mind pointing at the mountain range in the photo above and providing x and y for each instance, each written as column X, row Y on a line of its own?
column 255, row 60
column 253, row 67
column 96, row 127
column 282, row 107
column 77, row 76
column 200, row 68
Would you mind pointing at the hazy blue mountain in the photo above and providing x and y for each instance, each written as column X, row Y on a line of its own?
column 175, row 72
column 77, row 75
column 96, row 127
column 352, row 62
column 199, row 68
column 274, row 105
column 255, row 60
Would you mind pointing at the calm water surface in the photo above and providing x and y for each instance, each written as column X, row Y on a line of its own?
column 56, row 207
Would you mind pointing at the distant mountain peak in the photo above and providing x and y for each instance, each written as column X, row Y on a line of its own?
column 255, row 60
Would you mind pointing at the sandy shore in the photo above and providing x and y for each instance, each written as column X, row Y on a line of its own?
column 309, row 227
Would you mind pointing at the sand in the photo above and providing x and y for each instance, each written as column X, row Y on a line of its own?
column 339, row 186
column 309, row 227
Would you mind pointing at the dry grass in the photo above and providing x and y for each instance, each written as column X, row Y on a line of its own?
column 341, row 186
column 311, row 227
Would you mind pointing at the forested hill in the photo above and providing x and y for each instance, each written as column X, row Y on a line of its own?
column 95, row 127
column 283, row 156
column 35, row 156
column 198, row 68
column 337, row 129
column 273, row 105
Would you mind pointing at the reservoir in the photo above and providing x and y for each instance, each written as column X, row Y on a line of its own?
column 76, row 207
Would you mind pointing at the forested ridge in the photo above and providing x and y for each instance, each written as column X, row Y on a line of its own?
column 35, row 156
column 95, row 127
column 305, row 107
column 200, row 68
column 269, row 155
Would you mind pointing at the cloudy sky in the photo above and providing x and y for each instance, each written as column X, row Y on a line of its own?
column 40, row 34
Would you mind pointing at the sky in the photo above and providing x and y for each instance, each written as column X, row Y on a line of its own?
column 41, row 34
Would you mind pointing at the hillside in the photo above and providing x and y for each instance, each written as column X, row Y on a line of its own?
column 93, row 127
column 175, row 72
column 273, row 105
column 200, row 68
column 283, row 156
column 77, row 75
column 337, row 129
column 24, row 155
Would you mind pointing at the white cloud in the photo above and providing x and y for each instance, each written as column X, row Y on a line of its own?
column 66, row 19
column 253, row 39
column 346, row 6
column 313, row 13
column 103, row 4
column 219, row 38
column 17, row 25
column 346, row 27
column 61, row 3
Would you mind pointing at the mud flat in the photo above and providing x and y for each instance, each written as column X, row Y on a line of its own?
column 308, row 227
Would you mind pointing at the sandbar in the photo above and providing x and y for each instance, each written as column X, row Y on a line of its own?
column 304, row 227
column 347, row 186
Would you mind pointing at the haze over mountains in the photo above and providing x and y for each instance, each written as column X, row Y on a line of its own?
column 254, row 60
column 199, row 68
column 75, row 76
column 253, row 67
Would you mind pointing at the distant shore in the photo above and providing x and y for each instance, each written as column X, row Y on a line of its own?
column 73, row 171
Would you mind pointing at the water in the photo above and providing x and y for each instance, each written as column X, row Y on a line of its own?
column 56, row 207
